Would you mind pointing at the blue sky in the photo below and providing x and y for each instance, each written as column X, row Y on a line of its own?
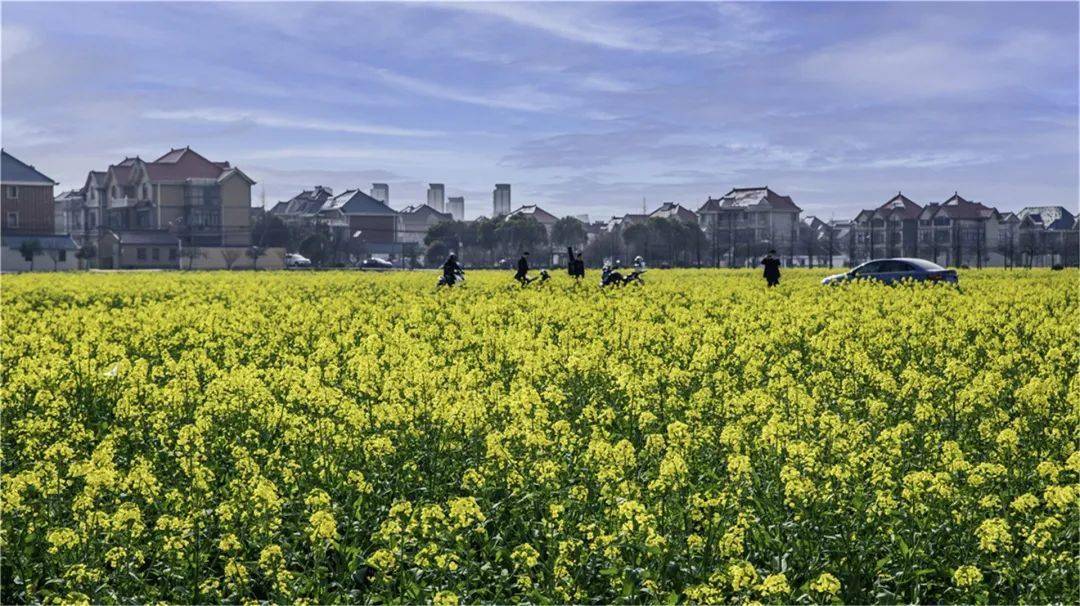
column 584, row 108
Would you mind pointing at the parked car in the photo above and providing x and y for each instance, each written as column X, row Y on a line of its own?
column 296, row 260
column 376, row 263
column 894, row 270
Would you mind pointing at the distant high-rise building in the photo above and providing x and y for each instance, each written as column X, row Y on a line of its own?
column 456, row 207
column 501, row 199
column 436, row 196
column 381, row 192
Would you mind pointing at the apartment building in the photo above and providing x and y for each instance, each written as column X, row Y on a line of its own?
column 500, row 200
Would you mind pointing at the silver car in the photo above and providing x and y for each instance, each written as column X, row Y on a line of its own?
column 889, row 271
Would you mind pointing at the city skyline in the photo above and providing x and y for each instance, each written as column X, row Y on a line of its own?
column 583, row 108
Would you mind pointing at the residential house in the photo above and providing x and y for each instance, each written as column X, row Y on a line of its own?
column 22, row 251
column 747, row 222
column 28, row 238
column 616, row 224
column 957, row 232
column 69, row 209
column 373, row 227
column 1050, row 232
column 416, row 220
column 542, row 216
column 303, row 207
column 671, row 210
column 890, row 230
column 821, row 243
column 180, row 196
column 28, row 206
column 145, row 249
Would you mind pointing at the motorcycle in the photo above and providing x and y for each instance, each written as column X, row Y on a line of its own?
column 613, row 277
column 458, row 278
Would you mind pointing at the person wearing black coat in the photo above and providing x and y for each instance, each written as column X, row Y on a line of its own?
column 772, row 269
column 522, row 274
column 451, row 269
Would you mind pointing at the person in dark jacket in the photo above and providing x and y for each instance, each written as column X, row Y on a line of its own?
column 772, row 268
column 571, row 262
column 451, row 269
column 579, row 267
column 522, row 274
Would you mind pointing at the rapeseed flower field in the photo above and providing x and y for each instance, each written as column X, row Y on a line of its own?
column 346, row 437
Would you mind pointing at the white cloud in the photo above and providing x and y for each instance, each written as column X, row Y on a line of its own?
column 15, row 39
column 271, row 120
column 570, row 25
column 919, row 64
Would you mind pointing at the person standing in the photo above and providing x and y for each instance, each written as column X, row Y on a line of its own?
column 522, row 274
column 571, row 262
column 772, row 268
column 579, row 267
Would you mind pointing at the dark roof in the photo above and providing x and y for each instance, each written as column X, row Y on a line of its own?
column 356, row 202
column 671, row 210
column 14, row 170
column 424, row 209
column 959, row 208
column 146, row 237
column 307, row 202
column 534, row 211
column 96, row 178
column 1052, row 217
column 746, row 197
column 47, row 241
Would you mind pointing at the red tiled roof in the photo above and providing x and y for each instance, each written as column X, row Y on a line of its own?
column 902, row 205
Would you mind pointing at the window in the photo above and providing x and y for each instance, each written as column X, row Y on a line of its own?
column 146, row 191
column 893, row 267
column 870, row 268
column 12, row 192
column 114, row 192
column 13, row 219
column 155, row 253
column 140, row 254
column 62, row 257
column 942, row 221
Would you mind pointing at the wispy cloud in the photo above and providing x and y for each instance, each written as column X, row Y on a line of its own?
column 270, row 120
column 520, row 97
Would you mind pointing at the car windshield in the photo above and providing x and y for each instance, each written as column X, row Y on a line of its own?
column 924, row 265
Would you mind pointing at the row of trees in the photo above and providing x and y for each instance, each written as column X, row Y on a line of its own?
column 485, row 240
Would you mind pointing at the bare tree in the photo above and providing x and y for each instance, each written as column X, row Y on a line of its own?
column 231, row 256
column 190, row 253
column 253, row 253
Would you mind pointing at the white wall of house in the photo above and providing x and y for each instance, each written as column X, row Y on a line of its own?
column 12, row 261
